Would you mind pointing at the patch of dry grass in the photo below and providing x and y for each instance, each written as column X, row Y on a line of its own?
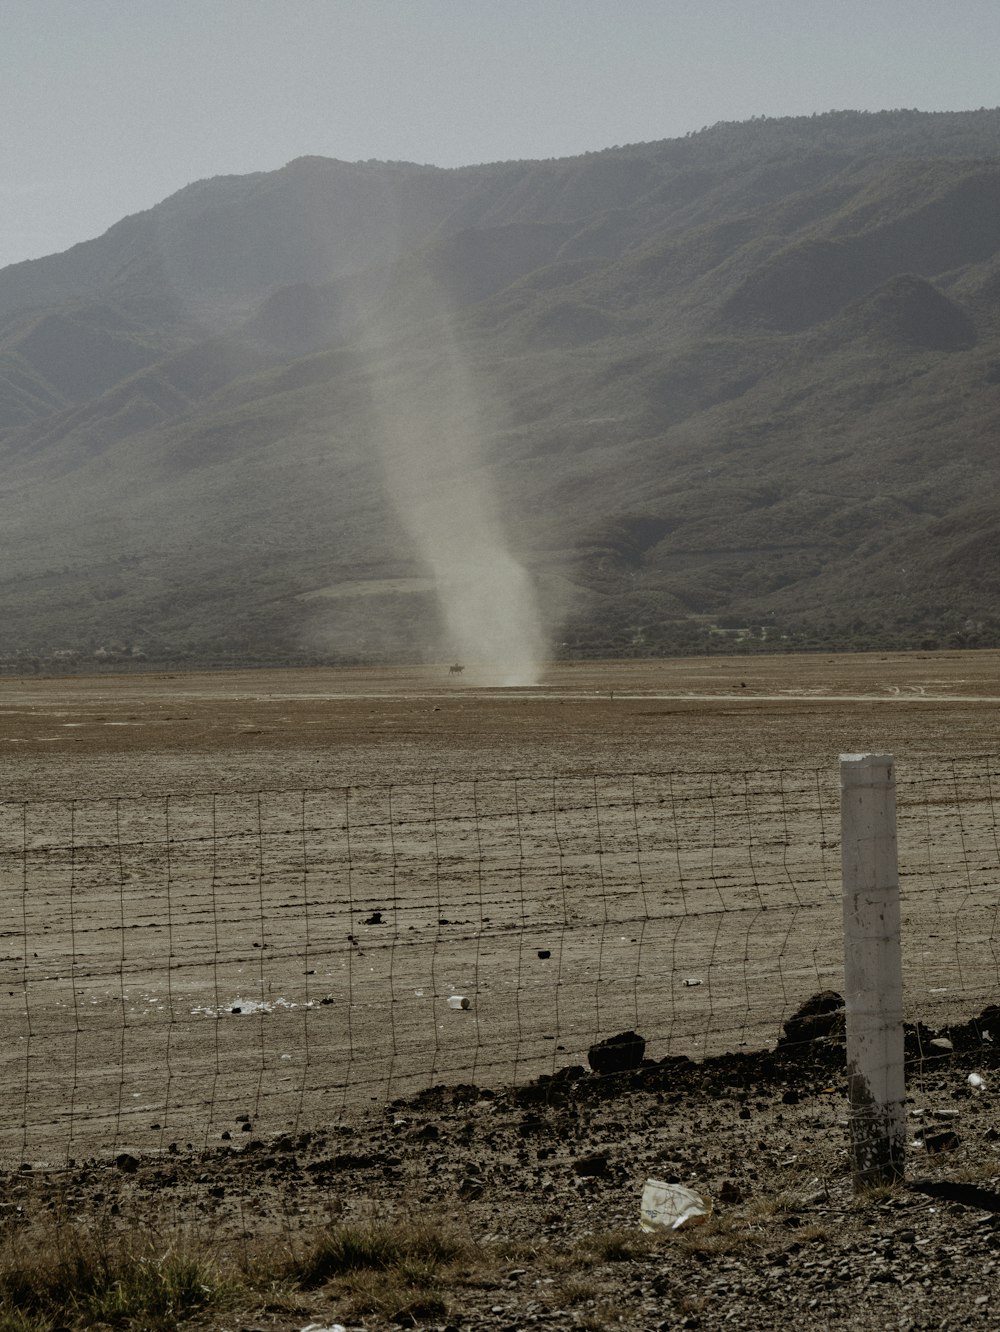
column 397, row 1269
column 73, row 1277
column 64, row 1275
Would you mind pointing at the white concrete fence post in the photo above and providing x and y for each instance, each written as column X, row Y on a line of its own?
column 873, row 970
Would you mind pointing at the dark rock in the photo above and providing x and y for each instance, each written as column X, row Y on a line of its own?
column 618, row 1053
column 676, row 1063
column 969, row 1195
column 127, row 1163
column 531, row 1124
column 941, row 1142
column 345, row 1161
column 571, row 1073
column 821, row 1017
column 591, row 1166
column 533, row 1093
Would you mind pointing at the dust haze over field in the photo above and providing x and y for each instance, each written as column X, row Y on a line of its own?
column 430, row 422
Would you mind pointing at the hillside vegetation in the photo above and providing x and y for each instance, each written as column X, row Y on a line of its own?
column 744, row 384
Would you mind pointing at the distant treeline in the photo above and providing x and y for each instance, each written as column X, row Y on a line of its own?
column 590, row 641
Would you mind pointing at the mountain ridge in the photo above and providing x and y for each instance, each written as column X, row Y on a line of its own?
column 744, row 377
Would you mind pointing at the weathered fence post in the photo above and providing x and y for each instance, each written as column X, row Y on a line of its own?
column 873, row 972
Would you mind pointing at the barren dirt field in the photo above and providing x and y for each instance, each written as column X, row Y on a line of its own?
column 328, row 856
column 114, row 735
column 236, row 905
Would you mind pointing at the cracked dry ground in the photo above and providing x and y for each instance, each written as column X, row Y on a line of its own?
column 545, row 1183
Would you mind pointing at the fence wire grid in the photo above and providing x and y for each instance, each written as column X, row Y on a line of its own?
column 174, row 966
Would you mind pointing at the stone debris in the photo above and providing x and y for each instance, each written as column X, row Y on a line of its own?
column 618, row 1053
column 555, row 1167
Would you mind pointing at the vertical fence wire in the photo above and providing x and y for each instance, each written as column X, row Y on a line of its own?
column 26, row 986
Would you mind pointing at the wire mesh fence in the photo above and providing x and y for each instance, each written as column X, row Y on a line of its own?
column 949, row 877
column 190, row 966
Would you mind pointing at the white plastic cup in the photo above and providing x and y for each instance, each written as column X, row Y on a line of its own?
column 459, row 1001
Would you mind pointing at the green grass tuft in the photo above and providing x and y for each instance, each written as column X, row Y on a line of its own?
column 418, row 1249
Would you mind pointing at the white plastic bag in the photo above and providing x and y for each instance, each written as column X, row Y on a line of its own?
column 670, row 1206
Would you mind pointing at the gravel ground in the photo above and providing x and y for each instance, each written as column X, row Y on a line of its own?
column 546, row 1181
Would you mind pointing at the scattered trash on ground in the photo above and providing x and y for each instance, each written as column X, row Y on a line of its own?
column 459, row 1001
column 243, row 1006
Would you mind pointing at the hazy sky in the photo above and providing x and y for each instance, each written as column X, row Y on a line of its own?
column 108, row 106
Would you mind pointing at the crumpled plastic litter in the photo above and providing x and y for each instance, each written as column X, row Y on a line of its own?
column 324, row 1327
column 670, row 1206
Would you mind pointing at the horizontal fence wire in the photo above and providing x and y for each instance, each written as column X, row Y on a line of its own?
column 191, row 966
